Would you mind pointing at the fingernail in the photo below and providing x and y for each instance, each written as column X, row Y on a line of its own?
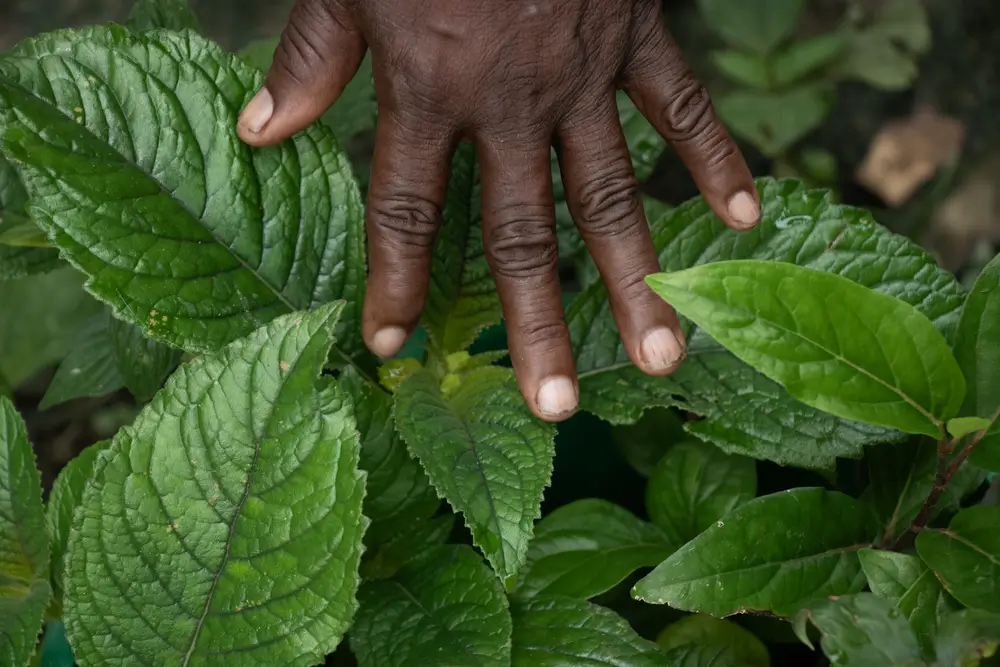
column 387, row 342
column 743, row 209
column 557, row 396
column 661, row 350
column 258, row 112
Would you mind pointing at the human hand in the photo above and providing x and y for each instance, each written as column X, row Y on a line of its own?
column 516, row 77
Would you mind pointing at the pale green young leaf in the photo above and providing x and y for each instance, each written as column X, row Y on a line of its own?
column 558, row 631
column 959, row 427
column 143, row 364
column 461, row 299
column 774, row 120
column 67, row 492
column 911, row 587
column 90, row 368
column 485, row 453
column 20, row 232
column 749, row 69
column 167, row 14
column 398, row 495
column 966, row 637
column 977, row 348
column 759, row 26
column 18, row 261
column 216, row 237
column 694, row 485
column 448, row 609
column 233, row 505
column 832, row 343
column 772, row 554
column 24, row 543
column 885, row 52
column 703, row 641
column 804, row 57
column 861, row 629
column 587, row 548
column 745, row 412
column 965, row 556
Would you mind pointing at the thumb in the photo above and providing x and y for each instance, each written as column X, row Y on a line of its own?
column 319, row 52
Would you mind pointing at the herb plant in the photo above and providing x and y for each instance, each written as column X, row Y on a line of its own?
column 278, row 498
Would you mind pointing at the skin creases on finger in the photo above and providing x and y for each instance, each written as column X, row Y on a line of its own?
column 663, row 88
column 522, row 251
column 603, row 197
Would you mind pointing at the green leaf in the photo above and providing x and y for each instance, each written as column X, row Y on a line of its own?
column 144, row 364
column 412, row 543
column 977, row 349
column 462, row 299
column 449, row 610
column 966, row 637
column 745, row 412
column 772, row 554
column 555, row 631
column 804, row 57
column 168, row 14
column 695, row 485
column 398, row 492
column 24, row 544
column 67, row 492
column 966, row 556
column 90, row 369
column 217, row 237
column 833, row 344
column 861, row 629
column 20, row 232
column 703, row 641
column 912, row 588
column 233, row 503
column 773, row 121
column 587, row 548
column 644, row 443
column 901, row 477
column 885, row 54
column 758, row 26
column 959, row 427
column 749, row 69
column 484, row 452
column 18, row 260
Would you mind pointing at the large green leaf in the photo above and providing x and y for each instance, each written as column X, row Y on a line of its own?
column 556, row 631
column 758, row 26
column 977, row 348
column 588, row 547
column 832, row 343
column 224, row 526
column 484, row 452
column 202, row 239
column 24, row 543
column 771, row 554
column 143, row 364
column 966, row 637
column 67, row 492
column 168, row 14
column 911, row 587
column 90, row 368
column 694, row 485
column 447, row 610
column 18, row 261
column 745, row 412
column 703, row 641
column 901, row 477
column 462, row 299
column 398, row 492
column 410, row 544
column 861, row 629
column 966, row 556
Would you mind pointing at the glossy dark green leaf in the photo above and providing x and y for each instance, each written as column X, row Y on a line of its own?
column 745, row 412
column 703, row 641
column 143, row 364
column 833, row 344
column 447, row 610
column 224, row 526
column 861, row 629
column 90, row 368
column 911, row 587
column 555, row 631
column 966, row 637
column 759, row 27
column 398, row 492
column 587, row 548
column 644, row 443
column 485, row 453
column 901, row 477
column 965, row 556
column 167, row 14
column 213, row 235
column 462, row 299
column 977, row 348
column 694, row 485
column 411, row 543
column 772, row 554
column 24, row 543
column 67, row 492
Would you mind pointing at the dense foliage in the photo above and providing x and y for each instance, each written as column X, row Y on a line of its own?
column 279, row 494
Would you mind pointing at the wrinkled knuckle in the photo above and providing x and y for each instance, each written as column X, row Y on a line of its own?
column 715, row 148
column 690, row 111
column 543, row 332
column 302, row 41
column 609, row 202
column 522, row 244
column 405, row 219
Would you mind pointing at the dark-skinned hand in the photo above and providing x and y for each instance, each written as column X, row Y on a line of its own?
column 516, row 77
